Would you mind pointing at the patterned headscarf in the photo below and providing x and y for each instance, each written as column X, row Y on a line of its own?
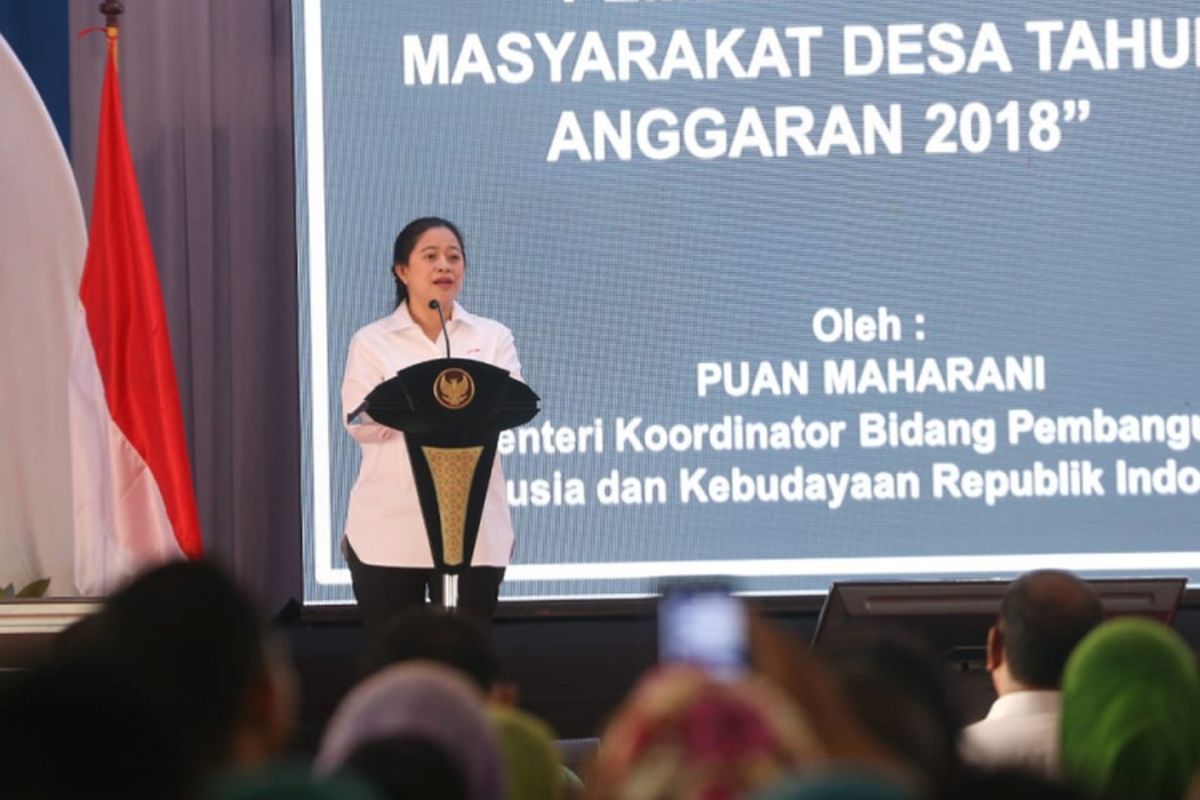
column 424, row 700
column 684, row 735
column 1131, row 712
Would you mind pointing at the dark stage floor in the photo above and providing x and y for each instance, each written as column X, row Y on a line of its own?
column 572, row 669
column 572, row 665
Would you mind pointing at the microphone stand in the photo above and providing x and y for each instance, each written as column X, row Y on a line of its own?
column 449, row 581
column 436, row 306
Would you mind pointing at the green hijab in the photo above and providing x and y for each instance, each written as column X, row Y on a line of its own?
column 532, row 769
column 1131, row 712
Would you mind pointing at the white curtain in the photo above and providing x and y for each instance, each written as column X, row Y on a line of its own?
column 42, row 247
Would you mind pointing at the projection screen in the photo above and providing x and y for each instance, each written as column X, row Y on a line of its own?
column 809, row 291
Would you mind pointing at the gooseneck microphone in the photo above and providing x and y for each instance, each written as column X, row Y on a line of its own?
column 436, row 306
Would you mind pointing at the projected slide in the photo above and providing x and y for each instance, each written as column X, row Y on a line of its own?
column 809, row 290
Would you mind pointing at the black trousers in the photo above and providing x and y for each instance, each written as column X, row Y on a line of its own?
column 385, row 592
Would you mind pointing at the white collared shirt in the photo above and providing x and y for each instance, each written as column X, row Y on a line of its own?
column 1020, row 730
column 384, row 522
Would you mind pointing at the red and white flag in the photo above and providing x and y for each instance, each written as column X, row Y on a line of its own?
column 134, row 499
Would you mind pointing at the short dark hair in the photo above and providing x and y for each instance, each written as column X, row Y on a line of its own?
column 897, row 687
column 406, row 240
column 1043, row 615
column 194, row 641
column 449, row 639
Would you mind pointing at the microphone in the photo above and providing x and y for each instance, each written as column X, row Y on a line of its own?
column 436, row 306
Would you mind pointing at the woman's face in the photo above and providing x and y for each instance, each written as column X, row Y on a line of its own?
column 434, row 270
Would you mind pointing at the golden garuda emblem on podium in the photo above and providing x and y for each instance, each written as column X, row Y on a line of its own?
column 454, row 388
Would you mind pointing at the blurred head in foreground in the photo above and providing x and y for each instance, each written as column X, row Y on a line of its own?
column 532, row 767
column 79, row 731
column 171, row 681
column 1008, row 784
column 684, row 735
column 198, row 650
column 433, row 634
column 290, row 781
column 1131, row 712
column 414, row 703
column 897, row 687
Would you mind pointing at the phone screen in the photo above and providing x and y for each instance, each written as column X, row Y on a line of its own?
column 704, row 627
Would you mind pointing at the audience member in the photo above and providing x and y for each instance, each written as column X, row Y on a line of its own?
column 174, row 682
column 532, row 769
column 823, row 700
column 409, row 768
column 1043, row 615
column 898, row 688
column 425, row 701
column 187, row 631
column 434, row 634
column 1131, row 712
column 1008, row 783
column 838, row 783
column 197, row 650
column 459, row 642
column 684, row 735
column 289, row 781
column 79, row 730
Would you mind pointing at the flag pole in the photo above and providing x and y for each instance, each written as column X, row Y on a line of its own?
column 112, row 11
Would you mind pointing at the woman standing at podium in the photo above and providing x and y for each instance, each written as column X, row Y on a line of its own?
column 385, row 543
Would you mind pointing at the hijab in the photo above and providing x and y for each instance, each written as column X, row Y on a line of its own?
column 1131, row 712
column 685, row 735
column 532, row 768
column 423, row 700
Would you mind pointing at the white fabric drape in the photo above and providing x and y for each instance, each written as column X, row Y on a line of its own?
column 42, row 246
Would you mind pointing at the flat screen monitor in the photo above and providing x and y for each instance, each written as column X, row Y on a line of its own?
column 954, row 616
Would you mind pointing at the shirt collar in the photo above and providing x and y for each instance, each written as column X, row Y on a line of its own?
column 401, row 319
column 1026, row 703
